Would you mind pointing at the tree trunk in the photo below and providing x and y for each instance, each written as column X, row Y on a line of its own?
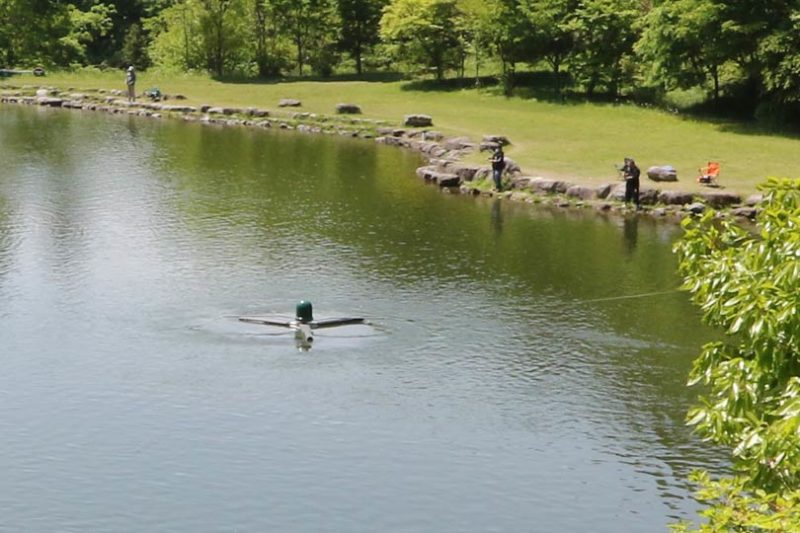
column 590, row 86
column 556, row 63
column 185, row 38
column 261, row 38
column 477, row 66
column 616, row 79
column 438, row 62
column 508, row 77
column 220, row 59
column 715, row 76
column 299, row 60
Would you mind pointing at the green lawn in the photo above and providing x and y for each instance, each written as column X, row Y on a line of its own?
column 577, row 142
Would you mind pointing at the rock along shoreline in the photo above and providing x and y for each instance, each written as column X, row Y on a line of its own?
column 444, row 155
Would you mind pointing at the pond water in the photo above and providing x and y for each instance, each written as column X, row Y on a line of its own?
column 499, row 388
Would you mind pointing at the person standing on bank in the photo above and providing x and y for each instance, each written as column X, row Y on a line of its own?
column 498, row 165
column 130, row 81
column 631, row 174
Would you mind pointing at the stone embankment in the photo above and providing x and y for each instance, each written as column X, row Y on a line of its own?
column 445, row 156
column 446, row 169
column 114, row 102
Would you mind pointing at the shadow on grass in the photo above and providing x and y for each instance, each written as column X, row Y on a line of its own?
column 372, row 77
column 541, row 86
column 449, row 84
column 734, row 115
column 730, row 114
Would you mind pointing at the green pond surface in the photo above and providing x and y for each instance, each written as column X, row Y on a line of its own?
column 498, row 387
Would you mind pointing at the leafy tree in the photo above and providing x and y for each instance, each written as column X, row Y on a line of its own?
column 424, row 32
column 134, row 47
column 310, row 24
column 605, row 34
column 477, row 21
column 732, row 508
column 200, row 34
column 31, row 31
column 686, row 42
column 748, row 284
column 747, row 24
column 86, row 27
column 108, row 47
column 221, row 22
column 270, row 53
column 780, row 53
column 177, row 40
column 552, row 31
column 360, row 29
column 502, row 26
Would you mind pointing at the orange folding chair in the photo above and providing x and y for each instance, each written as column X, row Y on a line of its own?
column 708, row 174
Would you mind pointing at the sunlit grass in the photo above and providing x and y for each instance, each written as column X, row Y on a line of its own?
column 579, row 142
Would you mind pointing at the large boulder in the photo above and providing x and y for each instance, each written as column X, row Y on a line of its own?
column 616, row 192
column 466, row 173
column 498, row 139
column 49, row 101
column 675, row 197
column 426, row 172
column 289, row 102
column 348, row 109
column 513, row 168
column 583, row 192
column 662, row 173
column 648, row 196
column 521, row 183
column 603, row 190
column 483, row 173
column 223, row 110
column 754, row 199
column 719, row 199
column 256, row 112
column 544, row 185
column 745, row 212
column 418, row 121
column 445, row 179
column 696, row 208
column 458, row 143
column 179, row 108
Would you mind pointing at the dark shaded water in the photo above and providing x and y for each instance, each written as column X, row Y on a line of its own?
column 494, row 393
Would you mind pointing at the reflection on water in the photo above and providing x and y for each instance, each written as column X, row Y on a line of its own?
column 499, row 385
column 630, row 231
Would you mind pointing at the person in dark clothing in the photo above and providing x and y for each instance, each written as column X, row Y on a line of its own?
column 498, row 165
column 631, row 174
column 130, row 81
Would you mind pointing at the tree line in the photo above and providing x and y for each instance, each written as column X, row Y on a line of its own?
column 745, row 51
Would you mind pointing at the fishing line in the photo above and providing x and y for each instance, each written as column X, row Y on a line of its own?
column 631, row 296
column 328, row 336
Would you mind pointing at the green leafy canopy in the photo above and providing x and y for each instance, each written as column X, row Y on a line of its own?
column 748, row 284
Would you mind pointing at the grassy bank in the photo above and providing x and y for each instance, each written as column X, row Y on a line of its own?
column 579, row 142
